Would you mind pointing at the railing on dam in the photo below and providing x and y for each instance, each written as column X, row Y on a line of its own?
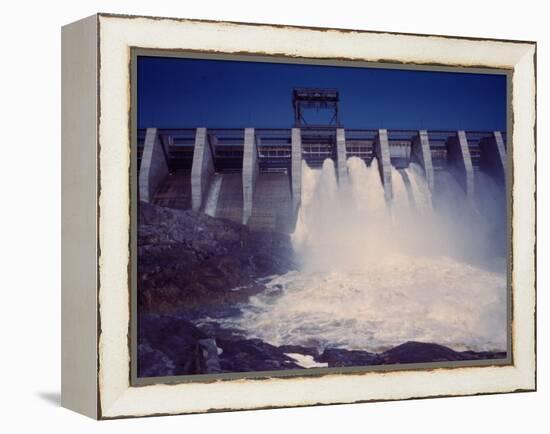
column 274, row 146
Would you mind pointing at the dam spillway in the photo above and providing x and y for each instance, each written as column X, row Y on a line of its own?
column 396, row 235
column 372, row 276
column 254, row 175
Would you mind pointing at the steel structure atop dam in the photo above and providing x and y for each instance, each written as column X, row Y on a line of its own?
column 254, row 174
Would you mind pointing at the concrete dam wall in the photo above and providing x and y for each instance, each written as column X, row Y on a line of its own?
column 254, row 176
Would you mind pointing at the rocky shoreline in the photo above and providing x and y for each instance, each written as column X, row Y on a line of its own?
column 191, row 265
column 172, row 345
column 188, row 259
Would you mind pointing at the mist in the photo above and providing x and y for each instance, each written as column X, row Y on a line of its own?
column 425, row 267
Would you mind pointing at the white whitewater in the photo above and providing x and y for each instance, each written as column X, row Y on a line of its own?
column 213, row 195
column 374, row 276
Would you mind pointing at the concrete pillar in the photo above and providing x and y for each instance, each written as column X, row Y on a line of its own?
column 201, row 170
column 154, row 167
column 421, row 154
column 493, row 156
column 460, row 162
column 341, row 155
column 251, row 169
column 296, row 168
column 382, row 153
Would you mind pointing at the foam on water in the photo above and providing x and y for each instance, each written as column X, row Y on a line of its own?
column 375, row 276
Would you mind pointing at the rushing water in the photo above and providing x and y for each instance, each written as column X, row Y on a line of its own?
column 374, row 276
column 213, row 195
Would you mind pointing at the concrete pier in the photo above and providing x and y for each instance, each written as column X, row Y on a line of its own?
column 202, row 169
column 154, row 167
column 250, row 172
column 382, row 153
column 420, row 152
column 296, row 167
column 493, row 156
column 341, row 155
column 460, row 162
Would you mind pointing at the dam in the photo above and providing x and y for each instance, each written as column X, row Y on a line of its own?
column 395, row 235
column 254, row 175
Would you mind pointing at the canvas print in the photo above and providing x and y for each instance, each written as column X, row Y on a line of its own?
column 296, row 218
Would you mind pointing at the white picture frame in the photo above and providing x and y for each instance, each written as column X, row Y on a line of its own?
column 96, row 356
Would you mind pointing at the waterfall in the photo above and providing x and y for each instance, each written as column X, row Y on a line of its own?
column 374, row 275
column 342, row 224
column 213, row 195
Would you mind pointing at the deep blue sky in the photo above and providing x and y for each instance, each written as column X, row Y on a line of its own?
column 180, row 93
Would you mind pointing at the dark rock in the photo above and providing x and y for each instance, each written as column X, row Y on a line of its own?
column 249, row 355
column 153, row 363
column 336, row 358
column 216, row 331
column 210, row 362
column 308, row 351
column 188, row 259
column 172, row 345
column 484, row 355
column 215, row 312
column 420, row 352
column 274, row 290
column 168, row 345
